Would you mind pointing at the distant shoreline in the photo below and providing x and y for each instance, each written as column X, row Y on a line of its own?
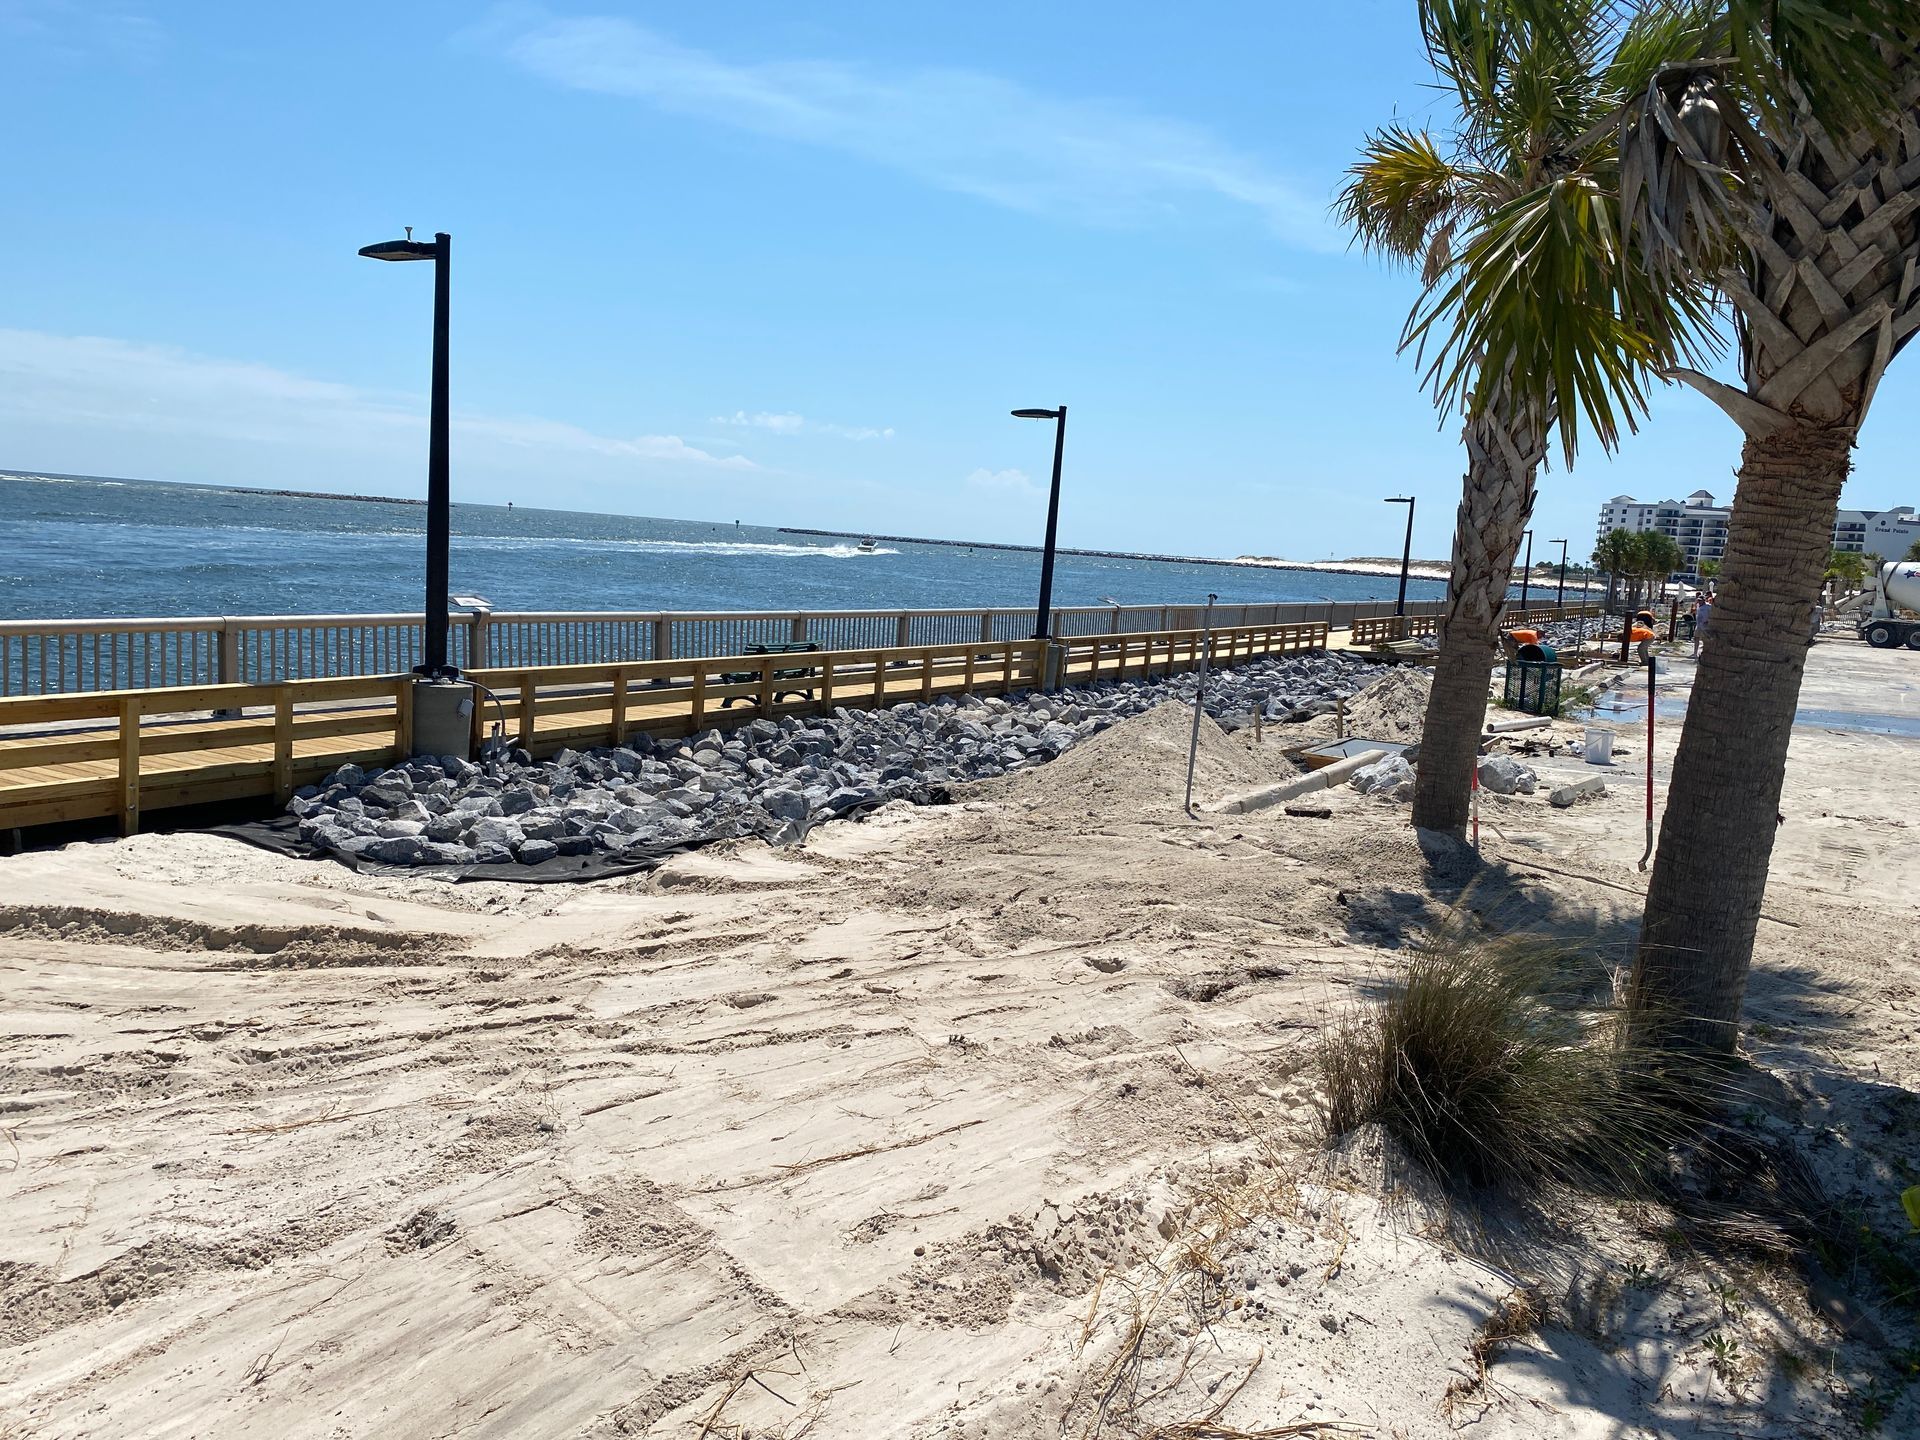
column 1369, row 568
column 1419, row 571
column 236, row 489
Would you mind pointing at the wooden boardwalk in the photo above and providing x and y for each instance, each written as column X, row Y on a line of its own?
column 119, row 754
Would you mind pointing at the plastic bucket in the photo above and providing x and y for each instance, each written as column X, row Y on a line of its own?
column 1599, row 747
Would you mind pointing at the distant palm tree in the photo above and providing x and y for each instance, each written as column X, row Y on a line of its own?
column 1913, row 551
column 1656, row 556
column 1708, row 571
column 1523, row 183
column 1614, row 555
column 1849, row 567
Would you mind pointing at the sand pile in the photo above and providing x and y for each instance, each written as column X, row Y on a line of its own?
column 1139, row 768
column 1394, row 707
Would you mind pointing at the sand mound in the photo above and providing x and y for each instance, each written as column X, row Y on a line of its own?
column 1138, row 768
column 1394, row 707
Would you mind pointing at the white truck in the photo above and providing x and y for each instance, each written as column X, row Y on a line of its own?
column 1896, row 587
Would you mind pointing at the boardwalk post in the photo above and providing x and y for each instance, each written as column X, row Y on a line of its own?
column 226, row 670
column 402, row 721
column 130, row 765
column 528, row 690
column 619, row 707
column 283, row 744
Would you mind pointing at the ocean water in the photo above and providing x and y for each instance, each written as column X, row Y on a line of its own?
column 94, row 547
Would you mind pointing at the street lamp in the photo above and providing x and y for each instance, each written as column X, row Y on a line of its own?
column 1560, row 600
column 1526, row 572
column 433, row 660
column 1043, row 622
column 1406, row 553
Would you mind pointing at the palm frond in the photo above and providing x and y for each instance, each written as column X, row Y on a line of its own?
column 1659, row 33
column 1402, row 193
column 1543, row 306
column 1830, row 55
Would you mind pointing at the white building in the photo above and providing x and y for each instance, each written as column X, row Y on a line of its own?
column 1699, row 527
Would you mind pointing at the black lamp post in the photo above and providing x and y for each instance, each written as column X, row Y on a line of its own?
column 1526, row 571
column 1406, row 552
column 1043, row 623
column 1560, row 600
column 433, row 659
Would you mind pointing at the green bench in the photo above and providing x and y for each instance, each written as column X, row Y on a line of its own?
column 747, row 677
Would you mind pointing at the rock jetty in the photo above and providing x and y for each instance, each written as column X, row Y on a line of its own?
column 774, row 778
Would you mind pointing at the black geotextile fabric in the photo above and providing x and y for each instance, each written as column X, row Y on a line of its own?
column 281, row 835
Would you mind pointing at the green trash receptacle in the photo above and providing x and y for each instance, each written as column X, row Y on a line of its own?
column 1533, row 682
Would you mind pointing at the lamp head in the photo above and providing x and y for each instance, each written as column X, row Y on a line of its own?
column 407, row 249
column 1036, row 414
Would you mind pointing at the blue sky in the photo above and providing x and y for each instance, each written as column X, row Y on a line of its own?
column 787, row 264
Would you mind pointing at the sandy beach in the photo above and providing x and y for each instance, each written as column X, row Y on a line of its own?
column 996, row 1119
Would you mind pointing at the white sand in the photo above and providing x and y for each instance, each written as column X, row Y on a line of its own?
column 987, row 1121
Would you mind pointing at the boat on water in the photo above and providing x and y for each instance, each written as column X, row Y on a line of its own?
column 868, row 546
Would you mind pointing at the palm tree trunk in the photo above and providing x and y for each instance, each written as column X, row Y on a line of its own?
column 1703, row 906
column 1502, row 459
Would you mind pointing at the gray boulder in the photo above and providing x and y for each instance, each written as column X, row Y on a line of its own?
column 490, row 832
column 1504, row 775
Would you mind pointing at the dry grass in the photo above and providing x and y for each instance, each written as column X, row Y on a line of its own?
column 1183, row 1283
column 1520, row 1314
column 1504, row 1063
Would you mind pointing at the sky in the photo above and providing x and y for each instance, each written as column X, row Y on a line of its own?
column 786, row 264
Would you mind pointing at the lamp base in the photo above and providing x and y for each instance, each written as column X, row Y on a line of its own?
column 443, row 718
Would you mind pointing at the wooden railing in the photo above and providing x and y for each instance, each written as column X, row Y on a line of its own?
column 117, row 753
column 54, row 657
column 1384, row 629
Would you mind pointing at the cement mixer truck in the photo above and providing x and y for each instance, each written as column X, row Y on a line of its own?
column 1895, row 588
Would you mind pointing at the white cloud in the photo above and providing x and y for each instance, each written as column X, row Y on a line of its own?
column 1008, row 482
column 55, row 385
column 80, row 30
column 1088, row 160
column 788, row 423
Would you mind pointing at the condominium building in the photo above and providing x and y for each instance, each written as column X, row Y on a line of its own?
column 1699, row 527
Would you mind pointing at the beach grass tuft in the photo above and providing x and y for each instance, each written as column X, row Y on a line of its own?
column 1504, row 1063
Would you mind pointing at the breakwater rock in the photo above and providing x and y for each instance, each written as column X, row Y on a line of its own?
column 769, row 777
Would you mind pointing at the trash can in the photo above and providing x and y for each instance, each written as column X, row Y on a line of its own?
column 1533, row 682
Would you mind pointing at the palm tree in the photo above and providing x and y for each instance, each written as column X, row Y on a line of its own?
column 1656, row 555
column 1708, row 571
column 1513, row 186
column 1614, row 554
column 1913, row 551
column 1781, row 159
column 1849, row 567
column 1774, row 153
